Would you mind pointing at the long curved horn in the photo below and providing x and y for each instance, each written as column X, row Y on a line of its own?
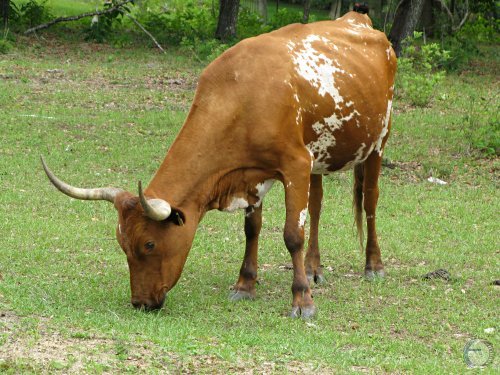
column 107, row 194
column 156, row 209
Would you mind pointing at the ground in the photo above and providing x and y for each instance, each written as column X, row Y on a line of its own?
column 103, row 116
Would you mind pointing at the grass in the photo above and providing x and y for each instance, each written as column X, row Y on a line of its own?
column 104, row 116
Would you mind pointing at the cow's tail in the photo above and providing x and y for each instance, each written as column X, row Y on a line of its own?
column 357, row 202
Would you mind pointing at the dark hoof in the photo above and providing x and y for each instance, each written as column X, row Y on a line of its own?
column 374, row 275
column 318, row 279
column 238, row 295
column 305, row 312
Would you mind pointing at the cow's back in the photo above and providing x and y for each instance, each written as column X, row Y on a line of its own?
column 326, row 86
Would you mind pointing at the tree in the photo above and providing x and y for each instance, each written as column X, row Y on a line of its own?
column 5, row 7
column 307, row 9
column 405, row 21
column 263, row 9
column 228, row 18
column 338, row 8
column 335, row 9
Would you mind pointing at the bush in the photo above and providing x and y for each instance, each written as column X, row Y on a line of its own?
column 285, row 17
column 5, row 46
column 102, row 26
column 33, row 13
column 482, row 127
column 420, row 70
column 189, row 23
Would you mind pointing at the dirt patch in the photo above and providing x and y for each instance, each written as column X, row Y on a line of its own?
column 47, row 350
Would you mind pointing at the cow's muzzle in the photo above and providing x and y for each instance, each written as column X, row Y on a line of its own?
column 148, row 305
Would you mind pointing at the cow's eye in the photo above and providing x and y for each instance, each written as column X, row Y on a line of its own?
column 150, row 245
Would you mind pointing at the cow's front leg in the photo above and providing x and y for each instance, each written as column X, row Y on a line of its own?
column 245, row 287
column 296, row 200
column 312, row 261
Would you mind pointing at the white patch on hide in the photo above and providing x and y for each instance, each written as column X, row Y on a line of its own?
column 302, row 218
column 359, row 157
column 248, row 214
column 385, row 126
column 315, row 67
column 236, row 204
column 326, row 139
column 262, row 190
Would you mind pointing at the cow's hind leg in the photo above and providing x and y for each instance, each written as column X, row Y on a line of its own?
column 296, row 182
column 371, row 171
column 312, row 261
column 245, row 287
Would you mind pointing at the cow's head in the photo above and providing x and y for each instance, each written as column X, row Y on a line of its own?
column 155, row 237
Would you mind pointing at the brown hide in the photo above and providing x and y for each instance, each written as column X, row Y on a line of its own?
column 300, row 101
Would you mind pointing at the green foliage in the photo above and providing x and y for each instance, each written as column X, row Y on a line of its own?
column 30, row 14
column 189, row 23
column 419, row 70
column 5, row 46
column 284, row 17
column 463, row 45
column 102, row 26
column 250, row 24
column 482, row 126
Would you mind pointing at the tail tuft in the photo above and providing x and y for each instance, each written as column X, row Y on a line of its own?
column 357, row 202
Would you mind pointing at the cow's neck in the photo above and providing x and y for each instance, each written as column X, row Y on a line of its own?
column 196, row 170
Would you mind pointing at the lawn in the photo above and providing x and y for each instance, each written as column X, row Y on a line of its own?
column 103, row 116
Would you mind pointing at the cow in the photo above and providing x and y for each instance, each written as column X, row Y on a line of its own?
column 290, row 106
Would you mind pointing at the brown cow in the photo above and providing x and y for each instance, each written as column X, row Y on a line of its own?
column 291, row 105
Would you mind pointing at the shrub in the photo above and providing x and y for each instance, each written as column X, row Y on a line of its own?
column 102, row 26
column 420, row 70
column 481, row 125
column 463, row 45
column 5, row 46
column 33, row 13
column 284, row 17
column 189, row 23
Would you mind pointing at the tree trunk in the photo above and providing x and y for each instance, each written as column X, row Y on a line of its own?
column 335, row 9
column 5, row 6
column 228, row 18
column 307, row 8
column 405, row 21
column 263, row 9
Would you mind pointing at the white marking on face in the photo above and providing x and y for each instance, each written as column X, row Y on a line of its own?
column 236, row 204
column 315, row 67
column 262, row 189
column 302, row 217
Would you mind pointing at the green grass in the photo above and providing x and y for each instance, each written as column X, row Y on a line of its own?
column 104, row 116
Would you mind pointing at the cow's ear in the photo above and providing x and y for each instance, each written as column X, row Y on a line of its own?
column 177, row 217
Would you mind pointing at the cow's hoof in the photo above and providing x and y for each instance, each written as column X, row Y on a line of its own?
column 238, row 295
column 305, row 312
column 374, row 275
column 318, row 278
